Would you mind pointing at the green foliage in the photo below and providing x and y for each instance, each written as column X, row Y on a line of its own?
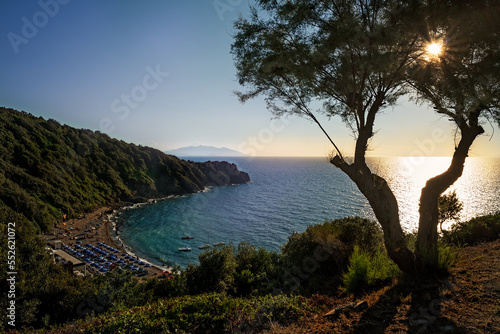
column 357, row 231
column 215, row 273
column 297, row 52
column 315, row 259
column 447, row 256
column 356, row 276
column 214, row 313
column 153, row 289
column 49, row 170
column 449, row 207
column 243, row 271
column 256, row 270
column 474, row 231
column 366, row 269
column 45, row 292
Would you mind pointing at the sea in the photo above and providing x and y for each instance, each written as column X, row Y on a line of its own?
column 286, row 195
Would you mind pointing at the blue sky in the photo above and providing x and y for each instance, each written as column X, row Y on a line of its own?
column 160, row 73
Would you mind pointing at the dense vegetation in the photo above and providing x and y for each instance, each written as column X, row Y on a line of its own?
column 48, row 170
column 208, row 313
column 233, row 288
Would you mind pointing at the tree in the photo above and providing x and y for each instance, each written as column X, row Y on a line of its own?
column 348, row 58
column 461, row 80
column 449, row 207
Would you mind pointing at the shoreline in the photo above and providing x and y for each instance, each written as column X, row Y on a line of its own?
column 99, row 226
column 113, row 226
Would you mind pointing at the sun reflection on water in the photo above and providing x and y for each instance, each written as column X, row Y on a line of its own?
column 478, row 188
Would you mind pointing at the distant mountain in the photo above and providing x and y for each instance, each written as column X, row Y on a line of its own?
column 204, row 151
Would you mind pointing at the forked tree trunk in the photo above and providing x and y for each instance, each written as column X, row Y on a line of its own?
column 385, row 207
column 427, row 239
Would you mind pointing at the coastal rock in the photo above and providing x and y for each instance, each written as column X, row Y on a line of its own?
column 221, row 173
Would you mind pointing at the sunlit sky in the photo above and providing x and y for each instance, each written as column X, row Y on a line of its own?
column 160, row 73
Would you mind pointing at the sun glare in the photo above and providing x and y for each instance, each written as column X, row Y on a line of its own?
column 434, row 50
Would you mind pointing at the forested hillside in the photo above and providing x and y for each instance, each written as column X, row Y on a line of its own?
column 48, row 170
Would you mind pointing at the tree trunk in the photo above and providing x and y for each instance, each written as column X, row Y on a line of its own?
column 385, row 207
column 426, row 247
column 377, row 191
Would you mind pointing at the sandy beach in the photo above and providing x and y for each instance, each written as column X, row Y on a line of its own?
column 94, row 227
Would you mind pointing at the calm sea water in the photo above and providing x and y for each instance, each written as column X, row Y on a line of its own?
column 286, row 195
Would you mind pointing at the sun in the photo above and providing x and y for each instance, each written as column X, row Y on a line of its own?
column 434, row 50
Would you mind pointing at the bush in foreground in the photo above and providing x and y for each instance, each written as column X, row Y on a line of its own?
column 366, row 270
column 213, row 313
column 313, row 261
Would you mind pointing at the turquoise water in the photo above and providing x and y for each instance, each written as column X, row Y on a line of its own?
column 286, row 195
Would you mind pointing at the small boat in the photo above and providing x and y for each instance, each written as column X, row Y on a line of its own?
column 220, row 243
column 185, row 249
column 187, row 237
column 204, row 246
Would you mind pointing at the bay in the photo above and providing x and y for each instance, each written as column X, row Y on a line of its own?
column 286, row 195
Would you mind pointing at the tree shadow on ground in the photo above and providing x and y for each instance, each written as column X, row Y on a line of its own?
column 410, row 307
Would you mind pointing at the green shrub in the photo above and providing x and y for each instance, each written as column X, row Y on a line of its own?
column 207, row 313
column 310, row 263
column 366, row 269
column 447, row 256
column 351, row 231
column 313, row 261
column 474, row 231
column 256, row 270
column 356, row 276
column 449, row 208
column 215, row 273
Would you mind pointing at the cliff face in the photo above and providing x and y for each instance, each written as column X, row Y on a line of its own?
column 48, row 170
column 222, row 173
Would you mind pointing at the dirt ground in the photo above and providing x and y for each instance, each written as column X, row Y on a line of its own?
column 468, row 301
